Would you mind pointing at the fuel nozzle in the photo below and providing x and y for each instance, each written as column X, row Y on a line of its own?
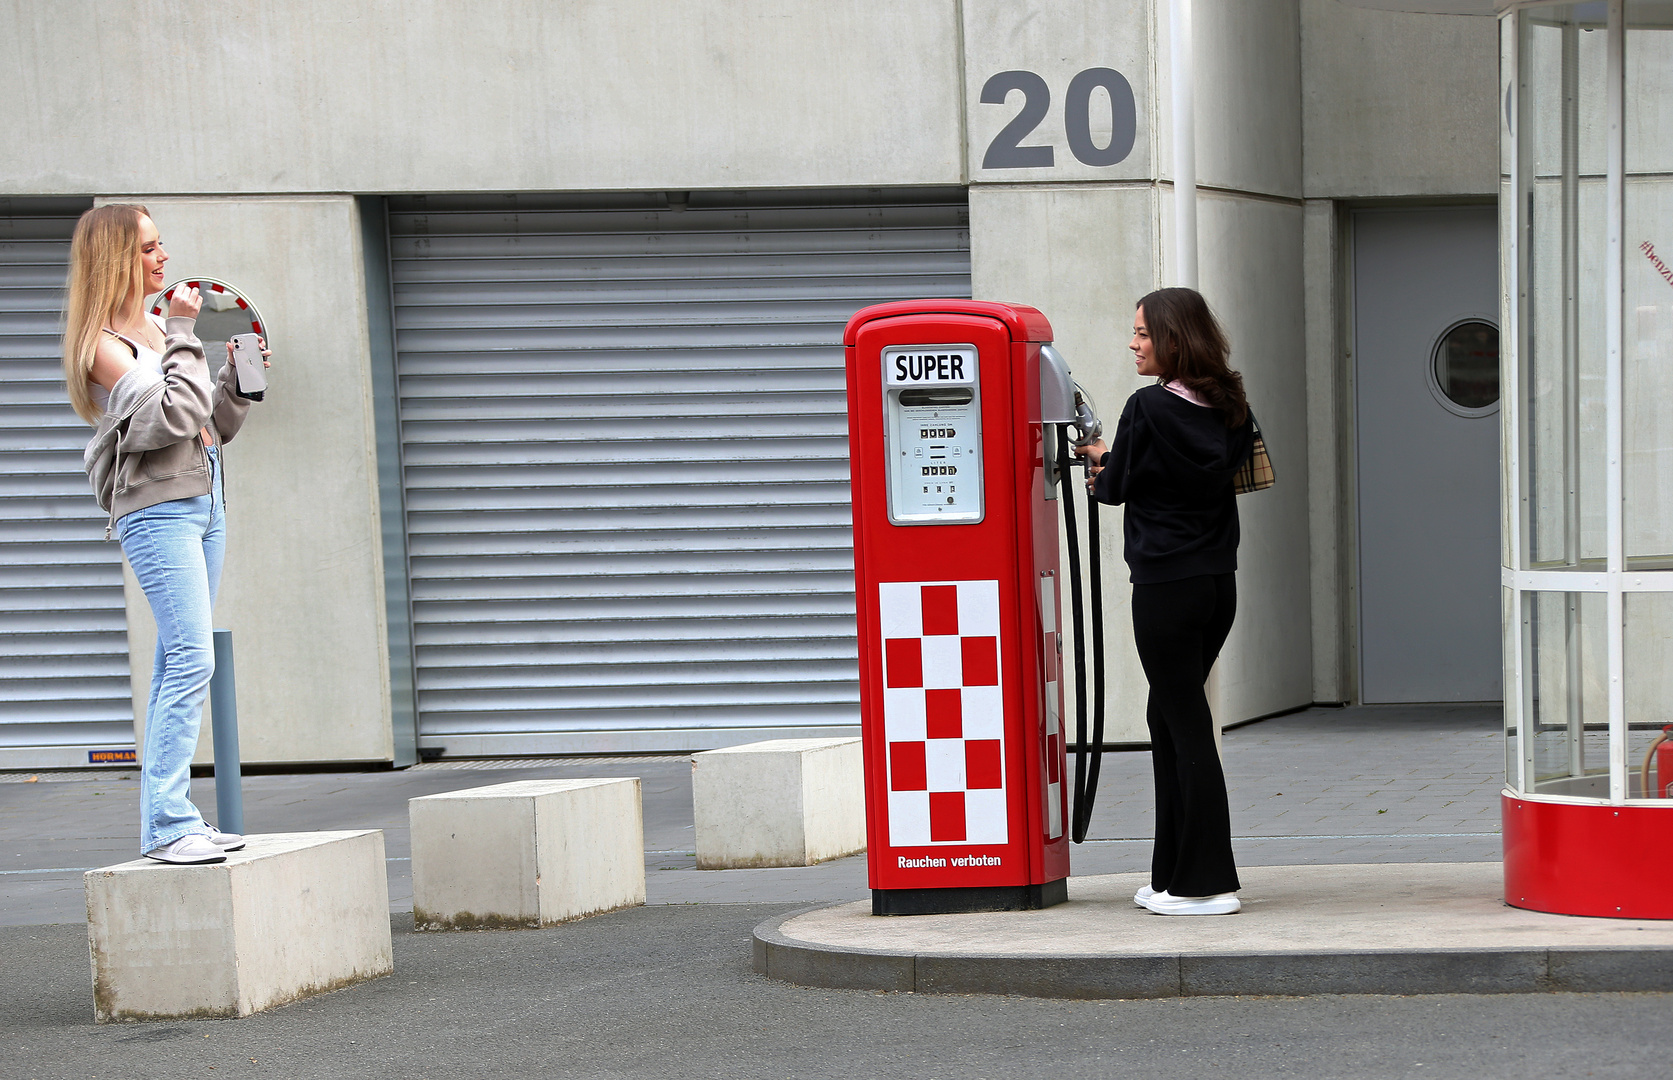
column 1087, row 425
column 1064, row 401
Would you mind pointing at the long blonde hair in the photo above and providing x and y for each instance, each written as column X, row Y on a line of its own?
column 104, row 276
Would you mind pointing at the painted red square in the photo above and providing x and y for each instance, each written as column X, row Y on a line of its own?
column 906, row 767
column 1054, row 759
column 981, row 764
column 981, row 661
column 904, row 660
column 946, row 815
column 945, row 714
column 940, row 609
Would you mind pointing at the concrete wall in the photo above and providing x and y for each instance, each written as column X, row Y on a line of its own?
column 1082, row 253
column 1394, row 105
column 1084, row 247
column 1397, row 104
column 423, row 95
column 249, row 130
column 1057, row 41
column 303, row 586
column 1248, row 64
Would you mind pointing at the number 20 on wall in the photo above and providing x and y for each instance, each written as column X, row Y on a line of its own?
column 1007, row 152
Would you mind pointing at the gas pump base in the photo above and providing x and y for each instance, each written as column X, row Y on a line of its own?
column 1380, row 928
column 969, row 900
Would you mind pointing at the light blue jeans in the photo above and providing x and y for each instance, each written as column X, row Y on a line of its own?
column 176, row 550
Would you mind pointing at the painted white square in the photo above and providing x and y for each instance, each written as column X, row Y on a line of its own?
column 900, row 609
column 1048, row 604
column 984, row 817
column 944, row 764
column 903, row 714
column 984, row 712
column 978, row 608
column 943, row 662
column 1054, row 811
column 908, row 818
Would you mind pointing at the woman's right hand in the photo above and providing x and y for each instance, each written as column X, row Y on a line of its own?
column 1094, row 453
column 184, row 303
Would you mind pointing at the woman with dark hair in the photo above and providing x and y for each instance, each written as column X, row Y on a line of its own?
column 1177, row 448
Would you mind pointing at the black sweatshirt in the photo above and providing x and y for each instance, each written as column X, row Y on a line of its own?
column 1172, row 464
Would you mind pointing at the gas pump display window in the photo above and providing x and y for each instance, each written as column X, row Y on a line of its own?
column 933, row 413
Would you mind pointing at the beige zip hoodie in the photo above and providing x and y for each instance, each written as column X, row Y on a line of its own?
column 146, row 449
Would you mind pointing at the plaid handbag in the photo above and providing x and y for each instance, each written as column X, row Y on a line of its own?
column 1256, row 473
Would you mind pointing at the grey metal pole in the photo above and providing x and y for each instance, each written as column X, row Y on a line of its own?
column 229, row 773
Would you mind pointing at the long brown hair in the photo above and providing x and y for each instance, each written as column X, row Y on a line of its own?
column 104, row 276
column 1191, row 346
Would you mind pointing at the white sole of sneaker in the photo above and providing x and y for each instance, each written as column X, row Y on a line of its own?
column 175, row 860
column 1208, row 905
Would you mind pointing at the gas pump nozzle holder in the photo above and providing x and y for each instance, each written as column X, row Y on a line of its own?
column 952, row 405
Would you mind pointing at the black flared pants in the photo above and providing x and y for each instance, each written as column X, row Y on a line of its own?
column 1179, row 627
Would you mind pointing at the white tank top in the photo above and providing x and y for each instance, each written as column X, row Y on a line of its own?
column 144, row 356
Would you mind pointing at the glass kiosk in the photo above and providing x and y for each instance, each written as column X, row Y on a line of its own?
column 1586, row 227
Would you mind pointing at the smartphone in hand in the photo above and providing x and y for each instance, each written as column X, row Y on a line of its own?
column 252, row 375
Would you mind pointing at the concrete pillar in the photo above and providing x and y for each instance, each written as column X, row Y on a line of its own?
column 291, row 915
column 784, row 802
column 526, row 854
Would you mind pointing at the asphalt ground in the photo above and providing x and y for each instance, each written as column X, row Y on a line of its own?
column 667, row 991
column 1324, row 786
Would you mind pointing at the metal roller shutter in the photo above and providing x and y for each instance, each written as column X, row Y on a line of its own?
column 64, row 688
column 624, row 440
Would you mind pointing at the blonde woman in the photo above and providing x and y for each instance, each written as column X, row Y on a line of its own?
column 155, row 466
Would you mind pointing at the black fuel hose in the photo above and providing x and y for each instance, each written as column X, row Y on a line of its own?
column 1086, row 777
column 1084, row 816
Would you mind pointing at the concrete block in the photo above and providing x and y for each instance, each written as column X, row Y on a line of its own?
column 784, row 802
column 528, row 853
column 293, row 914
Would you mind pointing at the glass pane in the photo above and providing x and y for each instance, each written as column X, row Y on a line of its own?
column 1648, row 670
column 1647, row 286
column 1466, row 365
column 1564, row 96
column 1567, row 721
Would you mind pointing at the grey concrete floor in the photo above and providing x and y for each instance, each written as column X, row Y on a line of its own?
column 667, row 990
column 1324, row 786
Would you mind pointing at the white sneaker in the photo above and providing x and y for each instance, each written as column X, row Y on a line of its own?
column 1145, row 893
column 191, row 848
column 1222, row 904
column 226, row 841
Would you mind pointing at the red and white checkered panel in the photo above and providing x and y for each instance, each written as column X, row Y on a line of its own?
column 943, row 712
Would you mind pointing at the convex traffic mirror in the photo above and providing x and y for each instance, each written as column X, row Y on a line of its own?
column 226, row 311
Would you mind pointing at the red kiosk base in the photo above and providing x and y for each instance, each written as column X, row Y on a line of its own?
column 1588, row 859
column 964, row 901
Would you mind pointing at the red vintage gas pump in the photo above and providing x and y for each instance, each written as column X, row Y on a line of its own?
column 955, row 483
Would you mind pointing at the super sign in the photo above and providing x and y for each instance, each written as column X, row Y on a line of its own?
column 916, row 367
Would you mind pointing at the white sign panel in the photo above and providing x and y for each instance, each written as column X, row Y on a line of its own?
column 933, row 434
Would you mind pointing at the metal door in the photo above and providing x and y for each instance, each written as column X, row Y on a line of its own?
column 624, row 438
column 1425, row 387
column 64, row 692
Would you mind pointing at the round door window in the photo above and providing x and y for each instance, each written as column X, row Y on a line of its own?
column 1465, row 367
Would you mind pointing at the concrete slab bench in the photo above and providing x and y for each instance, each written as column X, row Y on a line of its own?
column 526, row 854
column 783, row 802
column 293, row 914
